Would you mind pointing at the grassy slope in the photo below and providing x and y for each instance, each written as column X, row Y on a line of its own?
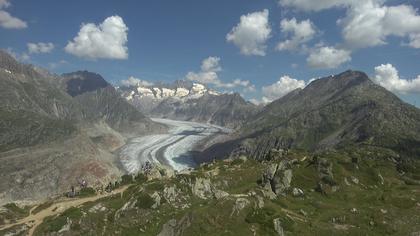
column 390, row 208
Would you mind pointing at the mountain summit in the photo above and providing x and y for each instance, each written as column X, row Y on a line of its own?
column 333, row 112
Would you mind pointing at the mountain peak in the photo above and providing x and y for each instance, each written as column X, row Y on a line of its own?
column 80, row 82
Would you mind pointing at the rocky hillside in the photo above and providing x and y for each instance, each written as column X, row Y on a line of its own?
column 184, row 100
column 100, row 101
column 351, row 192
column 50, row 140
column 332, row 112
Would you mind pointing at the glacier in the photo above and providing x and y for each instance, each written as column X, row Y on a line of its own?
column 172, row 149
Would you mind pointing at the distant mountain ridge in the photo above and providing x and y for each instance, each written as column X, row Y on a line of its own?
column 49, row 140
column 185, row 100
column 344, row 110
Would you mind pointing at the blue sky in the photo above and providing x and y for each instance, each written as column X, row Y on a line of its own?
column 168, row 39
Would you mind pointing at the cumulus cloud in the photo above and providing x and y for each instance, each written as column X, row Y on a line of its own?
column 282, row 87
column 261, row 101
column 35, row 48
column 300, row 33
column 311, row 5
column 107, row 40
column 368, row 23
column 8, row 21
column 326, row 57
column 251, row 34
column 209, row 75
column 414, row 41
column 133, row 81
column 387, row 76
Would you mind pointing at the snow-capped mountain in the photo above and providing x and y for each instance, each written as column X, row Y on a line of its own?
column 180, row 90
column 185, row 100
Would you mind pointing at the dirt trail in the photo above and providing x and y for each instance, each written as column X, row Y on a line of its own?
column 33, row 220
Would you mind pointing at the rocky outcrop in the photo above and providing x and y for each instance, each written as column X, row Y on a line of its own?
column 278, row 228
column 204, row 189
column 278, row 177
column 176, row 227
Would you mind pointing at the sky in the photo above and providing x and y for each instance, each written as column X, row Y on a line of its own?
column 261, row 49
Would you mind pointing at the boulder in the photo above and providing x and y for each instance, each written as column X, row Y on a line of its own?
column 297, row 192
column 170, row 194
column 156, row 198
column 202, row 188
column 240, row 204
column 278, row 228
column 277, row 177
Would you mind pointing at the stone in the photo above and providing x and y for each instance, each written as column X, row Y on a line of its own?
column 156, row 198
column 218, row 194
column 240, row 204
column 97, row 208
column 260, row 202
column 281, row 181
column 278, row 228
column 297, row 192
column 202, row 188
column 354, row 180
column 243, row 158
column 170, row 194
column 66, row 227
column 302, row 212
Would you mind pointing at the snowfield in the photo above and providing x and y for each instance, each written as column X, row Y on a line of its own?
column 173, row 149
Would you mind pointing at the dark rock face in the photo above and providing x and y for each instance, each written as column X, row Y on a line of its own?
column 333, row 112
column 100, row 101
column 83, row 81
column 227, row 110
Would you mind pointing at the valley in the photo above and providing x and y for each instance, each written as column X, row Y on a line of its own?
column 174, row 149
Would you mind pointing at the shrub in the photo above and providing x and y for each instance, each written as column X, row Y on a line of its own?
column 144, row 201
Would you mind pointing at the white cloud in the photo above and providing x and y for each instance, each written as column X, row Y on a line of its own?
column 251, row 34
column 387, row 76
column 133, row 81
column 211, row 64
column 325, row 57
column 8, row 21
column 22, row 57
column 209, row 75
column 311, row 5
column 300, row 33
column 414, row 41
column 282, row 87
column 368, row 23
column 107, row 40
column 261, row 101
column 40, row 47
column 4, row 4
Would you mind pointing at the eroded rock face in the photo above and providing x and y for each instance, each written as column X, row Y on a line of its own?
column 202, row 188
column 170, row 194
column 277, row 227
column 240, row 204
column 278, row 177
column 156, row 198
column 176, row 227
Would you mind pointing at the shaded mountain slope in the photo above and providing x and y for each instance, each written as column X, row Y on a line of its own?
column 333, row 112
column 50, row 140
column 228, row 110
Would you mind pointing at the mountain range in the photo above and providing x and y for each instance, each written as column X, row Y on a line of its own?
column 185, row 100
column 56, row 130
